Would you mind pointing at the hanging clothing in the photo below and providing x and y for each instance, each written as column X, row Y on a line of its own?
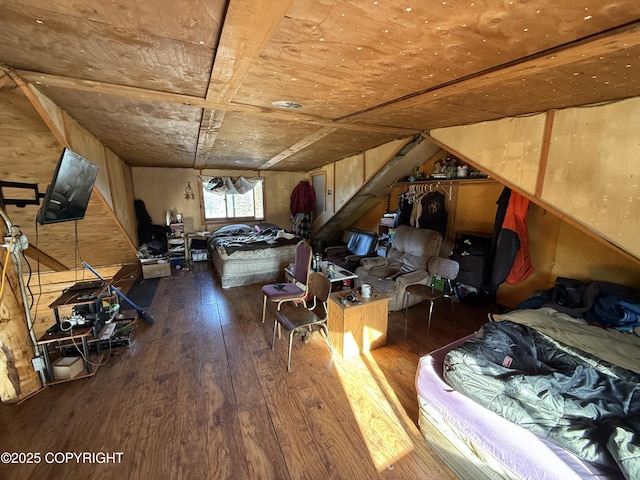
column 432, row 213
column 405, row 210
column 303, row 197
column 512, row 263
column 301, row 225
column 501, row 211
column 146, row 232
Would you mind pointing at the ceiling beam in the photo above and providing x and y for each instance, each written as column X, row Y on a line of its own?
column 247, row 27
column 301, row 145
column 209, row 128
column 44, row 259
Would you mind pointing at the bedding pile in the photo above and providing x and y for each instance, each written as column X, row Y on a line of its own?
column 577, row 400
column 244, row 238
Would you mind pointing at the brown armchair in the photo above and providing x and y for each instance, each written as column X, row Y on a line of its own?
column 405, row 264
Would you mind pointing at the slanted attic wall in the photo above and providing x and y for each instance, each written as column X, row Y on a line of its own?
column 33, row 132
column 579, row 167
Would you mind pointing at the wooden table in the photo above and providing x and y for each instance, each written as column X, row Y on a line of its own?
column 360, row 327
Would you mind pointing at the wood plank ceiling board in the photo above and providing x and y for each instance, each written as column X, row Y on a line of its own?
column 337, row 58
column 248, row 25
column 194, row 21
column 144, row 133
column 339, row 144
column 597, row 71
column 95, row 49
column 247, row 142
column 24, row 137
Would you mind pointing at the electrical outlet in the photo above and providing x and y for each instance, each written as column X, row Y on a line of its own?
column 20, row 242
column 38, row 364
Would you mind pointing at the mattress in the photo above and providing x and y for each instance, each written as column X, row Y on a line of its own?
column 244, row 255
column 246, row 267
column 477, row 443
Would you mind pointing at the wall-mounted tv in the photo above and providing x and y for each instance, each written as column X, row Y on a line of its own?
column 67, row 195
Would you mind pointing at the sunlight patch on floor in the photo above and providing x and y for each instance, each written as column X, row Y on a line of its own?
column 375, row 408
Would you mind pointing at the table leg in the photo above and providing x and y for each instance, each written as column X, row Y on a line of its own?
column 85, row 349
column 47, row 362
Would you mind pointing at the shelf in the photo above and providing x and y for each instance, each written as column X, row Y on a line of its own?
column 459, row 181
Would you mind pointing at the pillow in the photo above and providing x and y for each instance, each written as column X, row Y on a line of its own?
column 260, row 227
column 235, row 229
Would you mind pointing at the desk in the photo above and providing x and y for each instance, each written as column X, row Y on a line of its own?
column 358, row 328
column 88, row 302
column 61, row 340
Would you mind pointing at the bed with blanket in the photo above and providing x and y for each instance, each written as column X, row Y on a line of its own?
column 243, row 254
column 536, row 393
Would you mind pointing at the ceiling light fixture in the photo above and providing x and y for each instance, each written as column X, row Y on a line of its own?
column 286, row 104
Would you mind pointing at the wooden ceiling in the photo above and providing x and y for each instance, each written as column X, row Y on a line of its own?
column 191, row 83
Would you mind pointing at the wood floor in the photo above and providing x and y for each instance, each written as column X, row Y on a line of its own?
column 201, row 395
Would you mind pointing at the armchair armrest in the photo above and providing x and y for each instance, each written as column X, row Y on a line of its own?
column 332, row 251
column 371, row 262
column 410, row 278
column 356, row 258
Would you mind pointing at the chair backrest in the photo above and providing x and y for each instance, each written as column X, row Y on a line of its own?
column 413, row 247
column 443, row 267
column 304, row 252
column 319, row 288
column 362, row 243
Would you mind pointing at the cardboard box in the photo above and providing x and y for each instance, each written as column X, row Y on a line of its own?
column 155, row 269
column 67, row 367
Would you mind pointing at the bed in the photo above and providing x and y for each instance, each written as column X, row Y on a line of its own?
column 243, row 254
column 474, row 393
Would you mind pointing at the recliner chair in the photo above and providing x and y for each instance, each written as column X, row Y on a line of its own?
column 405, row 264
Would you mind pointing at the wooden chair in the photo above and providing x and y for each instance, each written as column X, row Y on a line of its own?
column 291, row 291
column 438, row 268
column 300, row 317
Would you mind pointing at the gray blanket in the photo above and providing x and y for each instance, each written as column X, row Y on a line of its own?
column 580, row 402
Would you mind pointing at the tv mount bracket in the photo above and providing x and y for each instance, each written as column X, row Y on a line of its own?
column 20, row 202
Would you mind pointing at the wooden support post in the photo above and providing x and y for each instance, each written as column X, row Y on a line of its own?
column 18, row 379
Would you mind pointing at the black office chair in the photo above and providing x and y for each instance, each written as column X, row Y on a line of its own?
column 304, row 317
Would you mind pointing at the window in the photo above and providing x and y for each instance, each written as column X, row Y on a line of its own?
column 233, row 206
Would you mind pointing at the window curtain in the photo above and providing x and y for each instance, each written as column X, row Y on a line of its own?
column 228, row 185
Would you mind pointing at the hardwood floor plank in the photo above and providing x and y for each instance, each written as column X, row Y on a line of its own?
column 225, row 448
column 264, row 456
column 342, row 444
column 304, row 454
column 154, row 454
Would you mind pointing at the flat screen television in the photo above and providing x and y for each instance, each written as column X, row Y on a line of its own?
column 67, row 195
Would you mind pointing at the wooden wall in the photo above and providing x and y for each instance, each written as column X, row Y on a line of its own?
column 163, row 189
column 33, row 132
column 579, row 164
column 348, row 175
